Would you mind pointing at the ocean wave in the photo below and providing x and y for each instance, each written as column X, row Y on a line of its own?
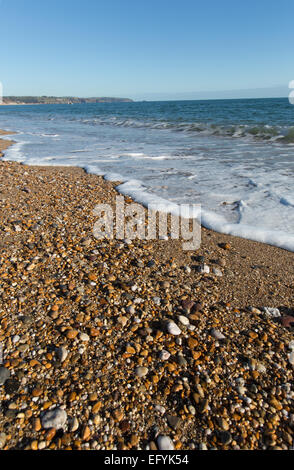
column 263, row 132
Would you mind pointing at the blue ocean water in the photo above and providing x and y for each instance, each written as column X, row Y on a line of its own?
column 234, row 157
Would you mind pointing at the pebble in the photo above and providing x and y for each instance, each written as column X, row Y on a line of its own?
column 291, row 358
column 202, row 446
column 181, row 360
column 188, row 305
column 287, row 321
column 160, row 408
column 203, row 269
column 150, row 264
column 3, row 438
column 84, row 337
column 156, row 300
column 271, row 312
column 183, row 320
column 173, row 421
column 11, row 386
column 225, row 437
column 217, row 272
column 164, row 355
column 172, row 328
column 62, row 353
column 141, row 371
column 4, row 375
column 131, row 310
column 55, row 418
column 165, row 443
column 254, row 310
column 123, row 321
column 72, row 334
column 217, row 334
column 261, row 368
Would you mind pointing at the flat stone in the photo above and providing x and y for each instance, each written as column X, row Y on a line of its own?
column 173, row 421
column 187, row 305
column 54, row 419
column 217, row 334
column 4, row 375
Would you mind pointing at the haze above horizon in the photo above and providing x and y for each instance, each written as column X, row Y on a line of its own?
column 155, row 50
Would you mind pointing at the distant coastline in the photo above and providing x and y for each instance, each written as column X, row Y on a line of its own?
column 31, row 100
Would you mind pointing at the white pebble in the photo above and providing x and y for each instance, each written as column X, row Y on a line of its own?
column 184, row 320
column 291, row 358
column 271, row 312
column 165, row 443
column 217, row 334
column 84, row 337
column 173, row 329
column 164, row 355
column 204, row 269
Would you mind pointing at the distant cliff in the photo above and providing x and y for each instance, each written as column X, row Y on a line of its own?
column 60, row 100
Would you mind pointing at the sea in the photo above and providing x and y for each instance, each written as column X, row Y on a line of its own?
column 235, row 158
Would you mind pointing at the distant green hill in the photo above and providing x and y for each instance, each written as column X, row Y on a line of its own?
column 60, row 100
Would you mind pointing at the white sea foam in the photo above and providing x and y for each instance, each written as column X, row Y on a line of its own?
column 209, row 219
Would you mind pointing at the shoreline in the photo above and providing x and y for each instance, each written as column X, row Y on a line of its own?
column 86, row 328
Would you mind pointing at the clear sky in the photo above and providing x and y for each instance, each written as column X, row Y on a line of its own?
column 144, row 48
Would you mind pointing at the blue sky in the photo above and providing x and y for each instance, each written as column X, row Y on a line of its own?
column 145, row 49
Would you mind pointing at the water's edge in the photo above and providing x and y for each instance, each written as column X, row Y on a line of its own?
column 208, row 219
